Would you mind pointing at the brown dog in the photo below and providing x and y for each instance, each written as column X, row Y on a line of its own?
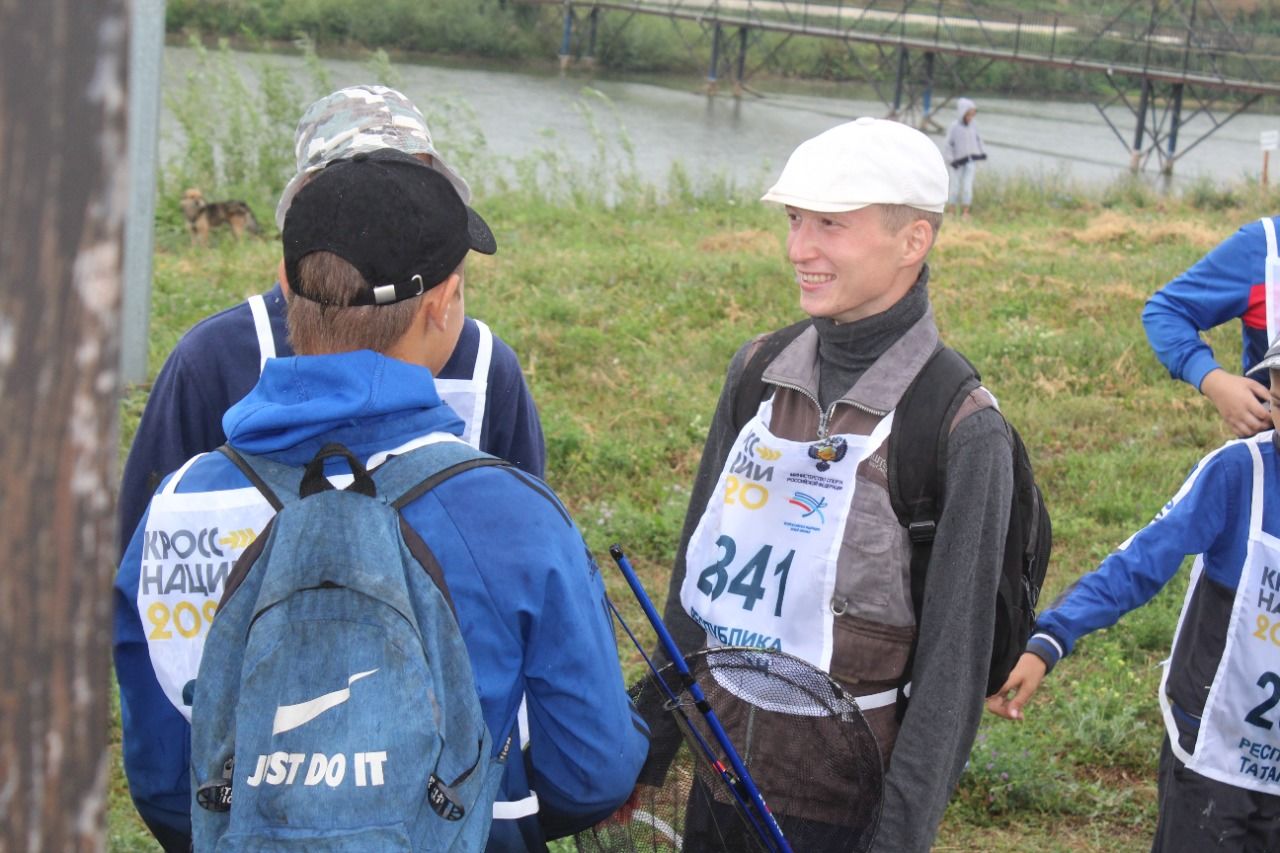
column 203, row 216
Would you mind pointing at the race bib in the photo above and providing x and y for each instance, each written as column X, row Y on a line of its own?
column 189, row 546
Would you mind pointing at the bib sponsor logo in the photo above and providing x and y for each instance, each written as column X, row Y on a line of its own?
column 810, row 505
column 1269, row 591
column 745, row 463
column 736, row 636
column 768, row 453
column 178, row 566
column 811, row 516
column 1255, row 762
column 806, row 480
column 828, row 452
column 181, row 543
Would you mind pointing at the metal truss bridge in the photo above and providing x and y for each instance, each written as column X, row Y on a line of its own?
column 1164, row 61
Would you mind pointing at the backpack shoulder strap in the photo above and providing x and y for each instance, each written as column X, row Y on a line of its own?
column 918, row 453
column 750, row 388
column 278, row 483
column 403, row 479
column 917, row 462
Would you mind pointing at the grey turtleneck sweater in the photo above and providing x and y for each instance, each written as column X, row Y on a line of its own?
column 954, row 646
column 846, row 350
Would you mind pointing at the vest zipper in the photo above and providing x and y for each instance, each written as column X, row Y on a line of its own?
column 824, row 418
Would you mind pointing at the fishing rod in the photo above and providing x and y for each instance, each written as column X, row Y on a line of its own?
column 677, row 707
column 743, row 786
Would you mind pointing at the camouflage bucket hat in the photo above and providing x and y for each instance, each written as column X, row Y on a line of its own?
column 360, row 119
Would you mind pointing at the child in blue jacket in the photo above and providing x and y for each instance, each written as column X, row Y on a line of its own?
column 376, row 306
column 1219, row 777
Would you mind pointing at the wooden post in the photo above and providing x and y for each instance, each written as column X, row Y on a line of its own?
column 1269, row 141
column 63, row 178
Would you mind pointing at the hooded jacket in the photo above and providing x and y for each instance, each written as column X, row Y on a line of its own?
column 530, row 601
column 963, row 140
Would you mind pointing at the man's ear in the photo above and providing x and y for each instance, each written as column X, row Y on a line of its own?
column 438, row 301
column 917, row 240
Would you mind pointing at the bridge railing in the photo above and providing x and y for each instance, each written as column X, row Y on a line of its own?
column 1187, row 37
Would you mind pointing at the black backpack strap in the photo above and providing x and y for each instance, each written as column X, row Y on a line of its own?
column 280, row 483
column 251, row 474
column 749, row 391
column 918, row 462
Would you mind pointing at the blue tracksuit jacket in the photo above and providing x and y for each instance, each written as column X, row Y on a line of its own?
column 529, row 598
column 1226, row 284
column 1209, row 515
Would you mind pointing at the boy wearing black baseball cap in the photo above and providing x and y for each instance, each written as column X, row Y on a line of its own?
column 375, row 248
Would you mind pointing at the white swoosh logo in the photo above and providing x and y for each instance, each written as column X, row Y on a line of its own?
column 289, row 717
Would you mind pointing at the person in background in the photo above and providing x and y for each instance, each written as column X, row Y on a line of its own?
column 219, row 360
column 963, row 149
column 1236, row 280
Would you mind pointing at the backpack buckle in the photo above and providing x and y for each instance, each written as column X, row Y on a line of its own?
column 922, row 532
column 214, row 796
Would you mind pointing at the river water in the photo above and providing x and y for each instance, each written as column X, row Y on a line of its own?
column 743, row 142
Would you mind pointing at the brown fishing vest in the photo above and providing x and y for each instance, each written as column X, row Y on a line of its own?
column 874, row 623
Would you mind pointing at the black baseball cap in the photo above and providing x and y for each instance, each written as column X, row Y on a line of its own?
column 392, row 217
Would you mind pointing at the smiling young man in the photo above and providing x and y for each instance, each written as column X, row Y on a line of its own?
column 864, row 201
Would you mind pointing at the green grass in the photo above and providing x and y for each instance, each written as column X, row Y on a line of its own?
column 625, row 316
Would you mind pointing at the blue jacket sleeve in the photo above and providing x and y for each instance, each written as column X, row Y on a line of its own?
column 512, row 428
column 1213, row 291
column 587, row 741
column 179, row 421
column 1204, row 517
column 157, row 738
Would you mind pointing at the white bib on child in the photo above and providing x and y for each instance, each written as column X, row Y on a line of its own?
column 1239, row 738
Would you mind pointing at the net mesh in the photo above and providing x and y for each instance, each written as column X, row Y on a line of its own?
column 804, row 741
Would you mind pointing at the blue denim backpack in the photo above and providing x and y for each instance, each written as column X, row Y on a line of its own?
column 335, row 707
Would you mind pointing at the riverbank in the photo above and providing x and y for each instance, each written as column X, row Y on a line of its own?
column 625, row 315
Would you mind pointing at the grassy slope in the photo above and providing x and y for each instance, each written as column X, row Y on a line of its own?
column 625, row 319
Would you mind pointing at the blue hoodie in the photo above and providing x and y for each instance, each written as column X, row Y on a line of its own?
column 530, row 600
column 216, row 363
